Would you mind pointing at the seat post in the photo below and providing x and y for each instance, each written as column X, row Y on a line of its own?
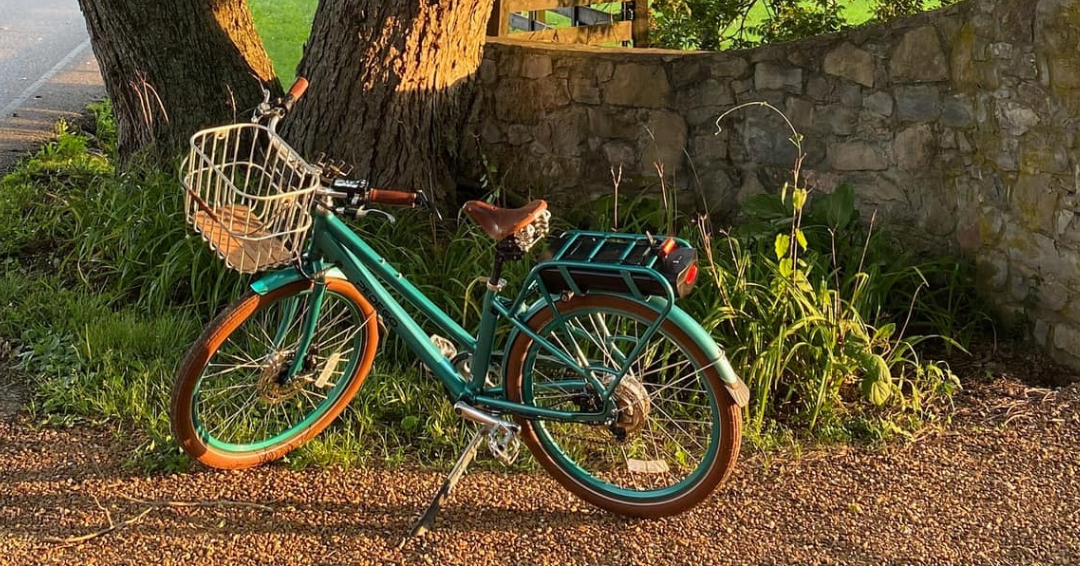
column 505, row 250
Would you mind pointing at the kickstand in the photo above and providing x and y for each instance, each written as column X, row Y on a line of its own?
column 427, row 520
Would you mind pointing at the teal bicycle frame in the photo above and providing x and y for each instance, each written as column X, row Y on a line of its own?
column 336, row 251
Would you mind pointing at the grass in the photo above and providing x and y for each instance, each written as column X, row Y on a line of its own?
column 284, row 26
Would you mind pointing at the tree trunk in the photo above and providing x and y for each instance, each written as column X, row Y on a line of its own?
column 172, row 67
column 391, row 87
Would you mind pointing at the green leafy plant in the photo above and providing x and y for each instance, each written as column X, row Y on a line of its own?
column 816, row 309
column 722, row 24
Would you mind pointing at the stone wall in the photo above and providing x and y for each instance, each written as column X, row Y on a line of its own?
column 958, row 125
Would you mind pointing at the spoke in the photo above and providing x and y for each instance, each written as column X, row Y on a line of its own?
column 231, row 368
column 249, row 402
column 680, row 380
column 668, row 418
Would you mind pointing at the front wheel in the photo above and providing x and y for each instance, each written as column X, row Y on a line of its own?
column 242, row 397
column 676, row 431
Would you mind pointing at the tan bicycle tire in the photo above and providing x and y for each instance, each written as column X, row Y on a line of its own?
column 729, row 413
column 198, row 356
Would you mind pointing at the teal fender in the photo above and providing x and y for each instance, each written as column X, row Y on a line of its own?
column 738, row 390
column 276, row 279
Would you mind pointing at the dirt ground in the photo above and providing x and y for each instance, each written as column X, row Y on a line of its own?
column 999, row 485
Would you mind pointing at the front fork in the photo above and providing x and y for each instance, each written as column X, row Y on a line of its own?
column 307, row 329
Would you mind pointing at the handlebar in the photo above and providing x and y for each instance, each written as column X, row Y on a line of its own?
column 393, row 198
column 295, row 92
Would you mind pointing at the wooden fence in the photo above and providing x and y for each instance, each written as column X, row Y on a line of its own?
column 527, row 19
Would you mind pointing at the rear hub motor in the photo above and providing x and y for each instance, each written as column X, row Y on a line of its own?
column 631, row 405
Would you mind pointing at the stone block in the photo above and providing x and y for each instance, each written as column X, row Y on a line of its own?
column 665, row 140
column 1067, row 339
column 851, row 63
column 535, row 66
column 765, row 140
column 957, row 112
column 620, row 153
column 919, row 58
column 1035, row 202
column 914, row 147
column 490, row 133
column 688, row 72
column 584, row 90
column 730, row 67
column 489, row 72
column 751, row 186
column 1053, row 296
column 1015, row 118
column 920, row 103
column 962, row 59
column 710, row 92
column 1041, row 332
column 1044, row 154
column 801, row 113
column 716, row 191
column 857, row 156
column 643, row 86
column 851, row 95
column 604, row 71
column 1008, row 155
column 518, row 134
column 821, row 89
column 770, row 76
column 992, row 271
column 880, row 103
column 612, row 122
column 837, row 119
column 1064, row 71
column 709, row 148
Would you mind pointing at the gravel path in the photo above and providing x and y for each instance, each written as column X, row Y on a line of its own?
column 998, row 486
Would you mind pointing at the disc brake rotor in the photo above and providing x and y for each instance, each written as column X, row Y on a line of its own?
column 270, row 389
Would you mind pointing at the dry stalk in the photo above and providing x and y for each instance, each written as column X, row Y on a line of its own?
column 150, row 506
column 617, row 180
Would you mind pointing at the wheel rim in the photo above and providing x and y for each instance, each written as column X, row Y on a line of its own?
column 679, row 440
column 239, row 407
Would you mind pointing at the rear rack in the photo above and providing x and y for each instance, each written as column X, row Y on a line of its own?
column 584, row 261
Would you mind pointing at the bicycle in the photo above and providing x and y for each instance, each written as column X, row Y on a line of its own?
column 619, row 394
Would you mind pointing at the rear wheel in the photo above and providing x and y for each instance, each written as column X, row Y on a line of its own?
column 676, row 431
column 234, row 405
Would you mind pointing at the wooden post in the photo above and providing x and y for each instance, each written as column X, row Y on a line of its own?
column 641, row 23
column 499, row 23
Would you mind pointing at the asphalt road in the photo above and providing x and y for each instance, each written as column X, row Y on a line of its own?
column 47, row 71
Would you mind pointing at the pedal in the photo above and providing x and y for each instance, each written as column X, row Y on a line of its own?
column 445, row 346
column 327, row 373
column 502, row 435
column 504, row 444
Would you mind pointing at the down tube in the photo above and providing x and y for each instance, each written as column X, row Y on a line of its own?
column 362, row 253
column 402, row 324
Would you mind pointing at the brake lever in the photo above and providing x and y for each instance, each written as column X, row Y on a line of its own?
column 377, row 212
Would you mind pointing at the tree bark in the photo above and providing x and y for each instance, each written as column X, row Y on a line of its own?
column 391, row 87
column 172, row 67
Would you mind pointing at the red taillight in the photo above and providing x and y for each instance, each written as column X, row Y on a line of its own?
column 691, row 275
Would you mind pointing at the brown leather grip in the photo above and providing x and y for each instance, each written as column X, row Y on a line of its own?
column 395, row 198
column 298, row 88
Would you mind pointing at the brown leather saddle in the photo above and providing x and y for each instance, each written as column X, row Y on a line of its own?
column 500, row 223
